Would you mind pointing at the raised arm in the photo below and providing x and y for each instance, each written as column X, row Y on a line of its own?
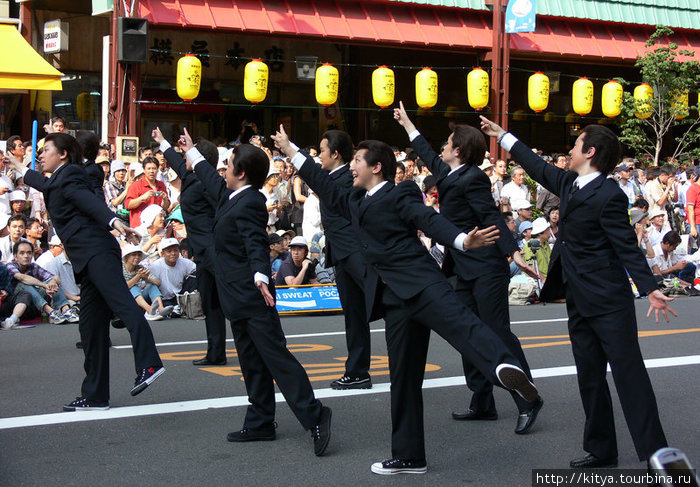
column 212, row 182
column 33, row 178
column 175, row 160
column 418, row 142
column 318, row 180
column 548, row 175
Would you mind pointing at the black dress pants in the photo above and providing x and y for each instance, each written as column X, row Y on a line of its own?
column 264, row 358
column 214, row 316
column 612, row 338
column 408, row 325
column 349, row 279
column 487, row 297
column 103, row 291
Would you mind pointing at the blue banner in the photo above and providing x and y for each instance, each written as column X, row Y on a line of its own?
column 318, row 298
column 520, row 16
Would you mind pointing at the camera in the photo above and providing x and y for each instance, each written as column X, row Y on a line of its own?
column 673, row 465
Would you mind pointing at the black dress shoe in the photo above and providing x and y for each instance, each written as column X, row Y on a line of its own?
column 471, row 415
column 527, row 418
column 321, row 433
column 206, row 361
column 266, row 434
column 592, row 461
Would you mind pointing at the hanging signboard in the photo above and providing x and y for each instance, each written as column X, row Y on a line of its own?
column 55, row 36
column 520, row 16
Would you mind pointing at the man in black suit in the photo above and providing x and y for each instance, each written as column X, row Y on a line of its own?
column 403, row 281
column 482, row 274
column 91, row 145
column 82, row 222
column 246, row 294
column 595, row 246
column 343, row 252
column 198, row 209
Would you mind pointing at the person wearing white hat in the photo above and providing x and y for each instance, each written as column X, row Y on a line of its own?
column 143, row 285
column 152, row 230
column 56, row 261
column 658, row 227
column 172, row 270
column 18, row 202
column 542, row 253
column 115, row 188
column 296, row 269
column 274, row 205
column 523, row 208
column 221, row 168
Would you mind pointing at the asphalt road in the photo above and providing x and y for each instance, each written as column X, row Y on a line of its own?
column 174, row 434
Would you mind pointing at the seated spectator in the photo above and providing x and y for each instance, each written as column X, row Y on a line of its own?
column 43, row 286
column 639, row 221
column 317, row 252
column 186, row 249
column 34, row 233
column 18, row 203
column 152, row 230
column 16, row 225
column 523, row 208
column 540, row 232
column 553, row 217
column 524, row 233
column 175, row 225
column 276, row 248
column 172, row 270
column 297, row 269
column 221, row 168
column 667, row 264
column 658, row 228
column 116, row 187
column 641, row 204
column 13, row 304
column 143, row 286
column 145, row 192
column 55, row 260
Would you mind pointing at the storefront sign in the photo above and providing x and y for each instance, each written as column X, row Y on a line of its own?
column 520, row 16
column 308, row 299
column 55, row 36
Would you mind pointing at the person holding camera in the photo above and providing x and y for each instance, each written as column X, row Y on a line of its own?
column 297, row 269
column 145, row 192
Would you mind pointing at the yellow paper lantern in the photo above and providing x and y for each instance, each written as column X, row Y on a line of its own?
column 327, row 80
column 478, row 88
column 189, row 77
column 679, row 105
column 611, row 99
column 426, row 88
column 538, row 91
column 642, row 94
column 582, row 96
column 383, row 86
column 84, row 106
column 519, row 115
column 255, row 81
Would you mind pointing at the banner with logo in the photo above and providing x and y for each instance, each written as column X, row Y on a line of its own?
column 318, row 298
column 520, row 16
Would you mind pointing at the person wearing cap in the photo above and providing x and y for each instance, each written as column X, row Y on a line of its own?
column 404, row 284
column 297, row 269
column 57, row 263
column 221, row 168
column 82, row 222
column 152, row 230
column 144, row 286
column 639, row 221
column 115, row 188
column 145, row 192
column 276, row 249
column 172, row 270
column 658, row 227
column 274, row 206
column 198, row 210
column 16, row 226
column 18, row 203
column 246, row 295
column 592, row 258
column 625, row 174
column 523, row 210
column 524, row 233
column 541, row 232
column 662, row 191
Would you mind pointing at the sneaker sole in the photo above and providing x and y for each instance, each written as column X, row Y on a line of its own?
column 394, row 471
column 246, row 440
column 339, row 387
column 513, row 378
column 141, row 387
column 91, row 408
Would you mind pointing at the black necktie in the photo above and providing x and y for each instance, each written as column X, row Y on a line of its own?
column 574, row 188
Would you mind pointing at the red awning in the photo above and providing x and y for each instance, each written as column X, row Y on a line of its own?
column 402, row 23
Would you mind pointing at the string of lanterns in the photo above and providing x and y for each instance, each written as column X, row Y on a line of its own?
column 327, row 83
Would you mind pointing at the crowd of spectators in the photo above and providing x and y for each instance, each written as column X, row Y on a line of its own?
column 36, row 274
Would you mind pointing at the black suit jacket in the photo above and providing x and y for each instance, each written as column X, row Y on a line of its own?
column 386, row 228
column 198, row 210
column 241, row 245
column 595, row 243
column 340, row 237
column 96, row 178
column 80, row 218
column 465, row 200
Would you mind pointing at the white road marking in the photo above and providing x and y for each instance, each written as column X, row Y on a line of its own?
column 236, row 401
column 321, row 334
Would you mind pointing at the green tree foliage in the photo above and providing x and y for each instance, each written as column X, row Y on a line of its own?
column 670, row 72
